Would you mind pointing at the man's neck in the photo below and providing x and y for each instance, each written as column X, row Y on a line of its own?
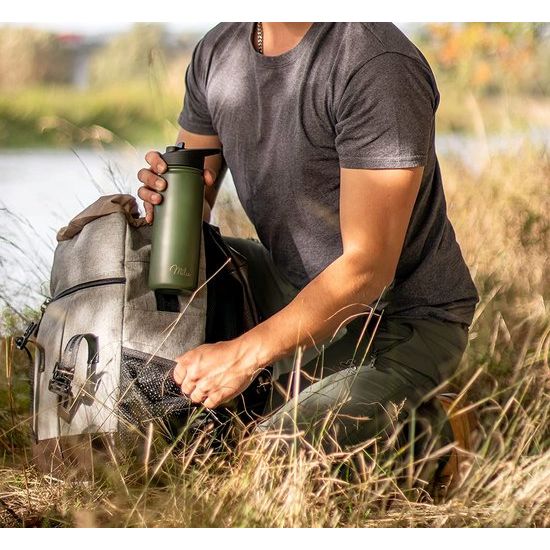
column 282, row 37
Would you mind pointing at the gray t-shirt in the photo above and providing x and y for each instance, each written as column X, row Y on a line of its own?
column 351, row 95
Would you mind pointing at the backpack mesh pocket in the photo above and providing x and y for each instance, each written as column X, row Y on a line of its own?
column 147, row 388
column 148, row 393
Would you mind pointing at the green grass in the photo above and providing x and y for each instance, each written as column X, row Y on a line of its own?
column 141, row 113
column 63, row 116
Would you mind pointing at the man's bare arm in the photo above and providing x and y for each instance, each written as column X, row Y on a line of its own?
column 375, row 209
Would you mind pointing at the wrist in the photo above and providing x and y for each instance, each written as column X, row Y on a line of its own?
column 256, row 349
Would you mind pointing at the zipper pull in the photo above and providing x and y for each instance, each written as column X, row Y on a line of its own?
column 21, row 341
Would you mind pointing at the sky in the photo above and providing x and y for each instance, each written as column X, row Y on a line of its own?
column 91, row 28
column 196, row 15
column 94, row 28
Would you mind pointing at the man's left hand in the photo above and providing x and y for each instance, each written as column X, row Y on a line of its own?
column 212, row 374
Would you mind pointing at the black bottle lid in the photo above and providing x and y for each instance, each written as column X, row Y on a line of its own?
column 178, row 155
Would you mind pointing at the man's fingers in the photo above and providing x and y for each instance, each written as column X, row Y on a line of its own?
column 209, row 176
column 197, row 395
column 151, row 180
column 149, row 196
column 213, row 400
column 191, row 383
column 178, row 374
column 155, row 161
column 187, row 388
column 149, row 212
column 218, row 396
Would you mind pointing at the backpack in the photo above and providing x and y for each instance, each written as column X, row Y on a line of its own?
column 105, row 343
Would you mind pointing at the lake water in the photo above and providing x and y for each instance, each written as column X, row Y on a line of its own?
column 41, row 190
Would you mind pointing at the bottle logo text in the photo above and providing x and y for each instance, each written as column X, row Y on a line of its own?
column 180, row 270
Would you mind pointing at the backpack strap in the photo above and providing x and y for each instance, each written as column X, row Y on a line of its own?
column 63, row 376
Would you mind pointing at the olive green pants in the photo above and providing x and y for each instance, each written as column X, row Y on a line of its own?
column 347, row 393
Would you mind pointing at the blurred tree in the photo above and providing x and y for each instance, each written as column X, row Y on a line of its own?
column 485, row 71
column 488, row 58
column 30, row 56
column 130, row 56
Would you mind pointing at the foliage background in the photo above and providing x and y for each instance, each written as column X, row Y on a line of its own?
column 493, row 77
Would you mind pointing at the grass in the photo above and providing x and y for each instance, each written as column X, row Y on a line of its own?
column 500, row 215
column 463, row 113
column 142, row 112
column 59, row 116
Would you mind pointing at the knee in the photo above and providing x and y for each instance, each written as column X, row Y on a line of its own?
column 279, row 422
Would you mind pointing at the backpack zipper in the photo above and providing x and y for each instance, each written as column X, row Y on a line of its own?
column 32, row 328
column 89, row 284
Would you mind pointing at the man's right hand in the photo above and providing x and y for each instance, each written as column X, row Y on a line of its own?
column 154, row 184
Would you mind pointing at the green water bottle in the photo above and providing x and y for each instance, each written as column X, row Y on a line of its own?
column 177, row 223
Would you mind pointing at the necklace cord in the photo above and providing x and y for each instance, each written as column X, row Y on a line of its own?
column 260, row 37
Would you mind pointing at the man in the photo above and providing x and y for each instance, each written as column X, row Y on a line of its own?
column 328, row 130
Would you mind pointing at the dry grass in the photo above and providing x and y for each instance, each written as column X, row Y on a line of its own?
column 501, row 219
column 506, row 484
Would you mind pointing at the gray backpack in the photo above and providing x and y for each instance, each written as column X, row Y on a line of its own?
column 105, row 344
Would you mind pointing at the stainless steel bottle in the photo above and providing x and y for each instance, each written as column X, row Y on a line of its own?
column 177, row 224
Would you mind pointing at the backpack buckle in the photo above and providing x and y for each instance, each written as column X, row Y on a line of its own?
column 61, row 382
column 61, row 385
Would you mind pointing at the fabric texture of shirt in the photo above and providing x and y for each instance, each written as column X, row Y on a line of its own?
column 348, row 95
